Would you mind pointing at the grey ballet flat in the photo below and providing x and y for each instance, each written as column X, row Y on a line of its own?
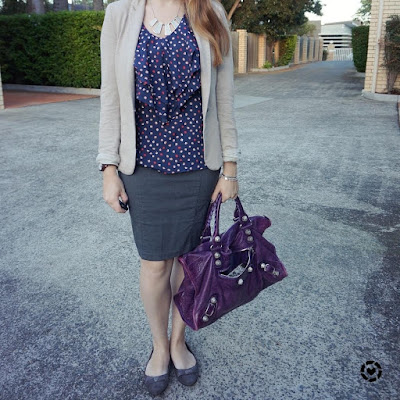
column 155, row 385
column 188, row 376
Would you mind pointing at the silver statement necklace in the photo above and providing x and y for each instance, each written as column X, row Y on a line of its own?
column 157, row 25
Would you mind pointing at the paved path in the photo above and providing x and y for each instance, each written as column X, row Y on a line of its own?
column 321, row 161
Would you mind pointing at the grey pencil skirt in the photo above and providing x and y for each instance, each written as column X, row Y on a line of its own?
column 168, row 211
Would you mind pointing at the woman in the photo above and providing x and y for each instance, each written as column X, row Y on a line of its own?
column 166, row 129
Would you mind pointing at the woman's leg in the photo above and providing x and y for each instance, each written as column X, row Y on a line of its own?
column 155, row 291
column 180, row 355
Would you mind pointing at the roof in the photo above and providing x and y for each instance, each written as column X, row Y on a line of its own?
column 350, row 24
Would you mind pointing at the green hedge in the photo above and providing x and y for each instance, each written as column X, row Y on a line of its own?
column 392, row 52
column 360, row 47
column 57, row 48
column 287, row 46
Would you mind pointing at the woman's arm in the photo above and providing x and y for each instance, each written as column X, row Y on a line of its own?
column 109, row 129
column 224, row 98
column 226, row 118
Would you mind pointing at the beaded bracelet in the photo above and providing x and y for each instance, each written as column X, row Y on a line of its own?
column 229, row 178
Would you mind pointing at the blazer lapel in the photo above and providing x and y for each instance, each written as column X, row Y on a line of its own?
column 205, row 70
column 135, row 19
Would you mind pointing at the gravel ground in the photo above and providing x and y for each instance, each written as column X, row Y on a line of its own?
column 317, row 158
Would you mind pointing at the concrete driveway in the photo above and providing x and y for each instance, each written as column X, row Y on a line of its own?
column 318, row 159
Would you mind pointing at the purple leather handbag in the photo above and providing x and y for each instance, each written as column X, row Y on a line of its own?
column 226, row 271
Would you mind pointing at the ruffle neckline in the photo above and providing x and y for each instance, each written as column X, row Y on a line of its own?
column 161, row 82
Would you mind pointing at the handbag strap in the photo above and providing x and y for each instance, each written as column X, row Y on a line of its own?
column 239, row 210
column 215, row 208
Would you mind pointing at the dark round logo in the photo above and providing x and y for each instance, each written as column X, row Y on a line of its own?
column 371, row 371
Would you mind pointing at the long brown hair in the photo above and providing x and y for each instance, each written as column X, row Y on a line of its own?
column 204, row 19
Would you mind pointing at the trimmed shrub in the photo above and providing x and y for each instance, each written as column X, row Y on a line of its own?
column 57, row 48
column 287, row 47
column 360, row 47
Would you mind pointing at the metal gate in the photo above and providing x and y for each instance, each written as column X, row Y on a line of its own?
column 343, row 55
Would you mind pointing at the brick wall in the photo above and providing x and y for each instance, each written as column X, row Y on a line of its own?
column 251, row 51
column 390, row 7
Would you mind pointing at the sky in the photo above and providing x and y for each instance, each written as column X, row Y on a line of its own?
column 336, row 10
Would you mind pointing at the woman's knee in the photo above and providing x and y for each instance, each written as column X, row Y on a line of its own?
column 157, row 268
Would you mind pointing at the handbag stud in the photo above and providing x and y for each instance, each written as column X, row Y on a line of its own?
column 217, row 238
column 205, row 318
column 249, row 238
column 275, row 272
column 264, row 266
column 247, row 231
column 217, row 255
column 250, row 269
column 244, row 218
column 218, row 262
column 240, row 281
column 213, row 300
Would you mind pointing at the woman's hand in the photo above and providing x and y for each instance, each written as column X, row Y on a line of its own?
column 113, row 188
column 228, row 189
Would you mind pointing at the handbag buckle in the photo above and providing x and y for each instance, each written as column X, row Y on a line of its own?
column 211, row 307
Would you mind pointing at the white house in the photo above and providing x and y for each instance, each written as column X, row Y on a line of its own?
column 339, row 33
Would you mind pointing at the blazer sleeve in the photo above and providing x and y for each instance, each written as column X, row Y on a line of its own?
column 224, row 98
column 110, row 121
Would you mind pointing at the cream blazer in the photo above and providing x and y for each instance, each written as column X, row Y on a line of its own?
column 117, row 129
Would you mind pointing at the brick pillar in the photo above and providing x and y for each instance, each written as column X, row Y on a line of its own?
column 311, row 51
column 316, row 49
column 297, row 52
column 321, row 49
column 305, row 49
column 1, row 94
column 331, row 52
column 242, row 51
column 262, row 50
column 276, row 52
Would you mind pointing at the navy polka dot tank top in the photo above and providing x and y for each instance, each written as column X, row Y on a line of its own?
column 169, row 119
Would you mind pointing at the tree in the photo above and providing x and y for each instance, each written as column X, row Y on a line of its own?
column 98, row 5
column 272, row 17
column 234, row 7
column 10, row 7
column 364, row 12
column 36, row 6
column 60, row 5
column 305, row 29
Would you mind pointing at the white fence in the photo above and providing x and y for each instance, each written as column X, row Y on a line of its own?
column 343, row 55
